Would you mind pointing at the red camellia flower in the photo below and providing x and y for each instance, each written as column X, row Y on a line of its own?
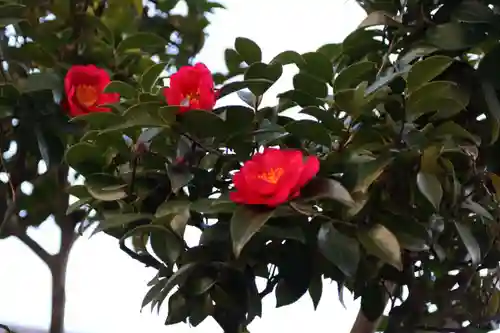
column 192, row 87
column 273, row 177
column 84, row 85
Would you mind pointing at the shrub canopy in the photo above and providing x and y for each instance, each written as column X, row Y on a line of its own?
column 386, row 180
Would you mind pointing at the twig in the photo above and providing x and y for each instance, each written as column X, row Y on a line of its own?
column 146, row 259
column 272, row 282
column 386, row 59
column 202, row 146
column 9, row 213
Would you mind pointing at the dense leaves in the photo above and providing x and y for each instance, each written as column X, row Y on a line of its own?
column 404, row 121
column 406, row 192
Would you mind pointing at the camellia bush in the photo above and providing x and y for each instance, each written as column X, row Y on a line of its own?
column 385, row 180
column 46, row 49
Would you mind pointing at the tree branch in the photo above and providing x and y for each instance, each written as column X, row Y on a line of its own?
column 35, row 247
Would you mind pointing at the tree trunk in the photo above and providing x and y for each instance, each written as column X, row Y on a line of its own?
column 58, row 297
column 58, row 269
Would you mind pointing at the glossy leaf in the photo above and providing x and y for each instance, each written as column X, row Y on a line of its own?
column 340, row 250
column 382, row 243
column 430, row 187
column 245, row 222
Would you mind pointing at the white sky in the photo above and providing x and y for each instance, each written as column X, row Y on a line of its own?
column 105, row 287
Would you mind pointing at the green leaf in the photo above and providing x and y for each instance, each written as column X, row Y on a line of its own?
column 373, row 301
column 98, row 120
column 109, row 193
column 469, row 241
column 327, row 118
column 454, row 36
column 310, row 130
column 141, row 41
column 50, row 146
column 105, row 187
column 491, row 98
column 289, row 57
column 201, row 308
column 382, row 243
column 252, row 85
column 285, row 232
column 12, row 14
column 245, row 222
column 379, row 17
column 300, row 98
column 211, row 206
column 41, row 81
column 259, row 70
column 310, row 84
column 369, row 172
column 202, row 124
column 355, row 74
column 318, row 65
column 151, row 76
column 233, row 60
column 320, row 188
column 441, row 96
column 83, row 152
column 387, row 77
column 332, row 51
column 249, row 98
column 178, row 278
column 178, row 309
column 124, row 89
column 470, row 11
column 430, row 187
column 238, row 119
column 477, row 208
column 316, row 289
column 118, row 220
column 426, row 70
column 178, row 177
column 488, row 67
column 340, row 250
column 495, row 181
column 453, row 130
column 98, row 23
column 287, row 294
column 249, row 51
column 153, row 292
column 166, row 245
column 170, row 207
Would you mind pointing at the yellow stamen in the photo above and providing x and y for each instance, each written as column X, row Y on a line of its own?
column 272, row 176
column 86, row 95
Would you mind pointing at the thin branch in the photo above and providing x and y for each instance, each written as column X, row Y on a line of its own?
column 202, row 146
column 35, row 247
column 146, row 259
column 9, row 213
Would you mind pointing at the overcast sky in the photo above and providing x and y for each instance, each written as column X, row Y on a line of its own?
column 106, row 287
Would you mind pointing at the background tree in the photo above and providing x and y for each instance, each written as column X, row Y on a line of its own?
column 39, row 42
